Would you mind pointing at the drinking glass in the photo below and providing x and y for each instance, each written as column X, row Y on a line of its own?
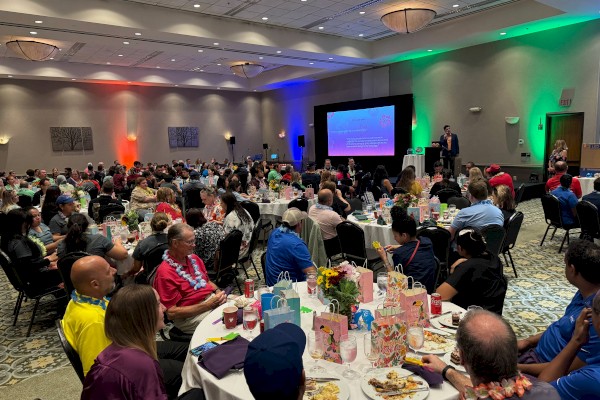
column 382, row 282
column 311, row 282
column 416, row 338
column 370, row 351
column 369, row 208
column 348, row 352
column 250, row 320
column 315, row 352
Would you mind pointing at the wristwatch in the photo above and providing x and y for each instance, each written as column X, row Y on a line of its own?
column 445, row 370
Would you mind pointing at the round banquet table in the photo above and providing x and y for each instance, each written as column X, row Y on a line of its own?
column 587, row 185
column 233, row 386
column 417, row 160
column 277, row 208
column 382, row 233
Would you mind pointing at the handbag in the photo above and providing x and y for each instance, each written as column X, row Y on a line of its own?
column 329, row 328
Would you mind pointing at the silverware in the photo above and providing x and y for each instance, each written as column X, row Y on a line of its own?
column 442, row 314
column 322, row 379
column 402, row 392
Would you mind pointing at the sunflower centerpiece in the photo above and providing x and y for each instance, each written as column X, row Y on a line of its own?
column 339, row 283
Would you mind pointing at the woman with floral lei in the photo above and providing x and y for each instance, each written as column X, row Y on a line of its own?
column 487, row 346
column 183, row 283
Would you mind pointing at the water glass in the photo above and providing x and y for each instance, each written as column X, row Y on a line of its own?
column 371, row 351
column 382, row 283
column 311, row 283
column 369, row 208
column 348, row 351
column 315, row 351
column 415, row 337
column 250, row 320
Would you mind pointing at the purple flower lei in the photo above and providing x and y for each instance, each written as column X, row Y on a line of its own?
column 197, row 283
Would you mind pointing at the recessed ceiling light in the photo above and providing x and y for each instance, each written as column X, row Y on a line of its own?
column 216, row 43
column 138, row 34
column 38, row 21
column 33, row 33
column 278, row 51
column 73, row 79
column 502, row 33
column 200, row 50
column 311, row 63
column 331, row 58
column 260, row 58
column 10, row 76
column 172, row 59
column 429, row 50
column 51, row 58
column 201, row 70
column 125, row 42
column 265, row 18
column 362, row 12
column 196, row 5
column 456, row 5
column 361, row 34
column 321, row 27
column 120, row 55
column 219, row 65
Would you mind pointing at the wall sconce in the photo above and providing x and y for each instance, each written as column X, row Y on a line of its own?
column 4, row 139
column 132, row 137
column 281, row 134
column 511, row 120
column 227, row 136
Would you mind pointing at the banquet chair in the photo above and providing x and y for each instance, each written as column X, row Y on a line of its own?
column 24, row 201
column 264, row 224
column 513, row 227
column 251, row 247
column 553, row 217
column 111, row 209
column 440, row 238
column 6, row 264
column 494, row 237
column 70, row 351
column 587, row 214
column 352, row 244
column 376, row 190
column 301, row 204
column 519, row 194
column 192, row 199
column 65, row 264
column 151, row 261
column 226, row 258
column 263, row 264
column 459, row 201
column 446, row 194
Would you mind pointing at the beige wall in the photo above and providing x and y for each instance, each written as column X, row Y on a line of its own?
column 28, row 108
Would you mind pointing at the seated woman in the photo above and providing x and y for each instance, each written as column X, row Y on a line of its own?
column 50, row 208
column 78, row 239
column 58, row 223
column 341, row 173
column 212, row 209
column 142, row 197
column 159, row 223
column 381, row 180
column 406, row 181
column 129, row 368
column 475, row 174
column 477, row 278
column 445, row 183
column 208, row 236
column 236, row 217
column 211, row 178
column 28, row 257
column 297, row 181
column 415, row 255
column 75, row 178
column 166, row 203
column 39, row 230
column 503, row 199
column 65, row 187
column 9, row 201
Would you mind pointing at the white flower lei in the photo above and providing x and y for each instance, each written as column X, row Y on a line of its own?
column 39, row 244
column 197, row 283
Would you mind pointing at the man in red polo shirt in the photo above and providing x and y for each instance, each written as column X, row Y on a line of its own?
column 560, row 167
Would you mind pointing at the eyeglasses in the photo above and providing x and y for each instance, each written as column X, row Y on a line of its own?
column 188, row 242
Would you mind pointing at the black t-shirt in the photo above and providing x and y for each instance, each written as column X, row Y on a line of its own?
column 479, row 281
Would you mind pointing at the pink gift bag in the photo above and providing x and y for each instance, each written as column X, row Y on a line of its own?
column 329, row 328
column 415, row 305
column 397, row 282
column 365, row 285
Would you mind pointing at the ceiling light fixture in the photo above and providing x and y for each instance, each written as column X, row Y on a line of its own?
column 278, row 51
column 408, row 20
column 125, row 42
column 32, row 50
column 362, row 12
column 38, row 21
column 172, row 59
column 200, row 50
column 265, row 18
column 247, row 70
column 33, row 33
column 138, row 34
column 196, row 5
column 10, row 76
column 216, row 43
column 502, row 33
column 321, row 27
column 361, row 35
column 120, row 55
column 456, row 5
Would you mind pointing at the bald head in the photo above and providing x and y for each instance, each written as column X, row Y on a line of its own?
column 488, row 346
column 560, row 166
column 325, row 197
column 93, row 276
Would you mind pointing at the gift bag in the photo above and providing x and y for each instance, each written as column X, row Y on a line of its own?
column 293, row 301
column 434, row 205
column 414, row 213
column 415, row 305
column 365, row 284
column 278, row 315
column 394, row 311
column 329, row 329
column 309, row 193
column 386, row 213
column 288, row 191
column 397, row 282
column 382, row 200
column 283, row 282
column 388, row 335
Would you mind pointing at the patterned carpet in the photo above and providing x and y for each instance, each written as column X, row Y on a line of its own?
column 533, row 301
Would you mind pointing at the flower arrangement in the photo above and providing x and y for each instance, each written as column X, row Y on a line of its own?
column 340, row 283
column 130, row 220
column 406, row 200
column 274, row 185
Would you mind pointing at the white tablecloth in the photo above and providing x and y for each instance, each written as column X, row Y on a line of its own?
column 382, row 233
column 277, row 208
column 233, row 386
column 417, row 160
column 587, row 185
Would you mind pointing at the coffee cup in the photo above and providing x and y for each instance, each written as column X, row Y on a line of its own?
column 230, row 317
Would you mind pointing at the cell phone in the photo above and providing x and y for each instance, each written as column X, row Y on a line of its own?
column 197, row 351
column 228, row 290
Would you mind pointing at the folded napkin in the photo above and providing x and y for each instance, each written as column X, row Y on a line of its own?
column 432, row 378
column 223, row 358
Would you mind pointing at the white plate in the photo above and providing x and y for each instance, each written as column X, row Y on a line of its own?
column 381, row 373
column 446, row 321
column 438, row 348
column 446, row 358
column 344, row 393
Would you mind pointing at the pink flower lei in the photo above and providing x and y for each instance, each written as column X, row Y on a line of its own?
column 499, row 390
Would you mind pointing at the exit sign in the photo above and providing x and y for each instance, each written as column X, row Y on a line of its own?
column 565, row 102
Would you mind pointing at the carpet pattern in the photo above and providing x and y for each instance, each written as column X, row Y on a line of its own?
column 535, row 299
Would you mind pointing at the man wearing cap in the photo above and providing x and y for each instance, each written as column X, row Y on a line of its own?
column 286, row 251
column 273, row 365
column 58, row 223
column 560, row 168
column 497, row 178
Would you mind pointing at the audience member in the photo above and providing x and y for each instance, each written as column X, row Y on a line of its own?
column 311, row 177
column 568, row 201
column 38, row 197
column 50, row 208
column 12, row 183
column 475, row 174
column 497, row 177
column 438, row 167
column 39, row 230
column 381, row 180
column 193, row 183
column 340, row 205
column 327, row 219
column 142, row 197
column 297, row 181
column 594, row 197
column 286, row 251
column 58, row 223
column 560, row 168
column 258, row 178
column 25, row 190
column 288, row 173
column 235, row 187
column 353, row 168
column 468, row 167
column 504, row 200
column 208, row 236
column 274, row 173
column 9, row 201
column 445, row 183
column 104, row 199
column 165, row 198
column 158, row 224
column 407, row 182
column 237, row 218
column 212, row 209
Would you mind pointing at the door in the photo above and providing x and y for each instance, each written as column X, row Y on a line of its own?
column 568, row 127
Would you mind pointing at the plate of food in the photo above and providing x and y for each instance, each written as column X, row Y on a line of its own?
column 453, row 358
column 394, row 384
column 437, row 342
column 450, row 320
column 326, row 390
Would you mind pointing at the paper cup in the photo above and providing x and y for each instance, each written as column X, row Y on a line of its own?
column 230, row 317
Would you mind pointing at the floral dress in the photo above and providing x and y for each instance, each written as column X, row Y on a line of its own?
column 208, row 237
column 213, row 213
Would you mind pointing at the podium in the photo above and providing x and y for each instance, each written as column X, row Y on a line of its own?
column 432, row 154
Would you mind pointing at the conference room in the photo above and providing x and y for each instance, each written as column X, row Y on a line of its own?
column 296, row 83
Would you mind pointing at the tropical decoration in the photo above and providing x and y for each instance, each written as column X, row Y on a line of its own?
column 340, row 283
column 130, row 219
column 405, row 200
column 39, row 244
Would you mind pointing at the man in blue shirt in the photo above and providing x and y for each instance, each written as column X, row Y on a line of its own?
column 480, row 214
column 286, row 251
column 594, row 197
column 582, row 270
column 567, row 199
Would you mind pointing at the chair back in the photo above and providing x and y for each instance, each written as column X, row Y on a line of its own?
column 152, row 260
column 445, row 194
column 352, row 241
column 376, row 190
column 355, row 204
column 551, row 206
column 111, row 209
column 192, row 198
column 519, row 193
column 398, row 190
column 494, row 237
column 301, row 204
column 513, row 226
column 459, row 202
column 252, row 244
column 229, row 252
column 93, row 192
column 263, row 264
column 587, row 213
column 65, row 264
column 440, row 238
column 70, row 351
column 24, row 201
column 252, row 209
column 7, row 267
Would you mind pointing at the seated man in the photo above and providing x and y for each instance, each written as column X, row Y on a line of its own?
column 273, row 365
column 560, row 167
column 438, row 167
column 582, row 269
column 286, row 251
column 25, row 189
column 83, row 321
column 480, row 214
column 468, row 167
column 105, row 198
column 327, row 220
column 311, row 177
column 594, row 197
column 183, row 283
column 567, row 200
column 486, row 344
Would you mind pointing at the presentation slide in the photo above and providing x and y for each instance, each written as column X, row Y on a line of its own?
column 363, row 132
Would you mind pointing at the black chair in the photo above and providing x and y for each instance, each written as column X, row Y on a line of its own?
column 252, row 209
column 301, row 204
column 70, row 351
column 494, row 238
column 376, row 190
column 14, row 280
column 265, row 224
column 440, row 238
column 519, row 193
column 459, row 202
column 93, row 192
column 65, row 264
column 111, row 209
column 355, row 204
column 513, row 227
column 263, row 264
column 398, row 190
column 151, row 262
column 552, row 214
column 446, row 194
column 587, row 214
column 251, row 247
column 24, row 201
column 192, row 199
column 352, row 244
column 227, row 257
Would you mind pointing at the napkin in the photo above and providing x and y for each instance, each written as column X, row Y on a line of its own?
column 432, row 378
column 221, row 359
